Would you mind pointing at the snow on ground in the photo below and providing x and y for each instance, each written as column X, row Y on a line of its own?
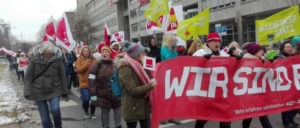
column 11, row 109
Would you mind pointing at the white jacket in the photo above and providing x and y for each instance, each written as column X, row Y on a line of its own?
column 206, row 50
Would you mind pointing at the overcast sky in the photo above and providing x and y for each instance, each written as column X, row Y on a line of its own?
column 27, row 16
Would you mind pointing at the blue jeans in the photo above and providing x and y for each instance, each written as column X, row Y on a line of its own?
column 55, row 111
column 85, row 95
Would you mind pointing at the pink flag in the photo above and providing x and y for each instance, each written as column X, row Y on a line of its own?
column 11, row 53
column 50, row 29
column 45, row 38
column 106, row 33
column 64, row 36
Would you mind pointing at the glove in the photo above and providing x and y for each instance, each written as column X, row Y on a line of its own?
column 94, row 98
column 153, row 82
column 207, row 56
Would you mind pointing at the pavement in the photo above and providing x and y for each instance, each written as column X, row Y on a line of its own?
column 72, row 114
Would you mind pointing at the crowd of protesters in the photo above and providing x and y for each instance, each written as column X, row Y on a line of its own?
column 50, row 73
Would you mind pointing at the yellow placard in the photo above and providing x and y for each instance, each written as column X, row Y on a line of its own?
column 195, row 26
column 281, row 25
column 157, row 9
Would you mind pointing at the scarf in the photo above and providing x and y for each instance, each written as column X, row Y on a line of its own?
column 138, row 69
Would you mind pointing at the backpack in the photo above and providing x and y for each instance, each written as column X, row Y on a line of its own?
column 113, row 82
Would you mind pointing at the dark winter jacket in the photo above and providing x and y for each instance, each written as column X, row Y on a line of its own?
column 133, row 102
column 100, row 85
column 51, row 83
column 155, row 52
column 282, row 55
column 68, row 66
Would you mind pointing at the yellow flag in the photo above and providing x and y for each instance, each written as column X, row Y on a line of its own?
column 195, row 26
column 157, row 9
column 281, row 25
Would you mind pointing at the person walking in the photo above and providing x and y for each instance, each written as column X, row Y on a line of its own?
column 45, row 83
column 83, row 64
column 211, row 48
column 22, row 64
column 286, row 50
column 136, row 85
column 100, row 90
column 68, row 61
column 255, row 51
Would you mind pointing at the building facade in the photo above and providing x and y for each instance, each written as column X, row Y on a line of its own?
column 5, row 28
column 237, row 16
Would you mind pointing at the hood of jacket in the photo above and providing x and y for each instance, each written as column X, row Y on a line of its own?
column 248, row 55
column 120, row 61
column 39, row 58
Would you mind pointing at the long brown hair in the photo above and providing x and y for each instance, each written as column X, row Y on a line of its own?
column 193, row 48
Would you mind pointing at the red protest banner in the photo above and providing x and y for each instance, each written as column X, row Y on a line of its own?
column 224, row 89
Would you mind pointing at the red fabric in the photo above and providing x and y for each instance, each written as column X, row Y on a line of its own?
column 62, row 32
column 50, row 30
column 106, row 33
column 224, row 89
column 213, row 37
column 45, row 38
column 138, row 69
column 23, row 62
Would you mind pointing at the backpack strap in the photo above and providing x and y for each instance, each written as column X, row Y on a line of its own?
column 42, row 72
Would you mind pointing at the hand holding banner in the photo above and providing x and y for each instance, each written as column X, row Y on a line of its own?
column 279, row 26
column 195, row 26
column 157, row 9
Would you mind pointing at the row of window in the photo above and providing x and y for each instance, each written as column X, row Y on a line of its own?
column 98, row 15
column 109, row 23
column 92, row 4
column 141, row 10
column 141, row 25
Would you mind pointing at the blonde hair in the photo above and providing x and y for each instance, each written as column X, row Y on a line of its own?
column 193, row 48
column 167, row 40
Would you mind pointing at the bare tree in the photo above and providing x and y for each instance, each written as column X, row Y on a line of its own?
column 83, row 31
column 41, row 32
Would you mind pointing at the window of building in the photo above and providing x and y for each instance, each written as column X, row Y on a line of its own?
column 249, row 29
column 133, row 13
column 246, row 1
column 190, row 13
column 134, row 27
column 217, row 4
column 143, row 25
column 231, row 32
column 143, row 8
column 133, row 1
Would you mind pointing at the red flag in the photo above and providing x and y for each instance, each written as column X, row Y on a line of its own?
column 50, row 29
column 45, row 38
column 64, row 36
column 106, row 33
